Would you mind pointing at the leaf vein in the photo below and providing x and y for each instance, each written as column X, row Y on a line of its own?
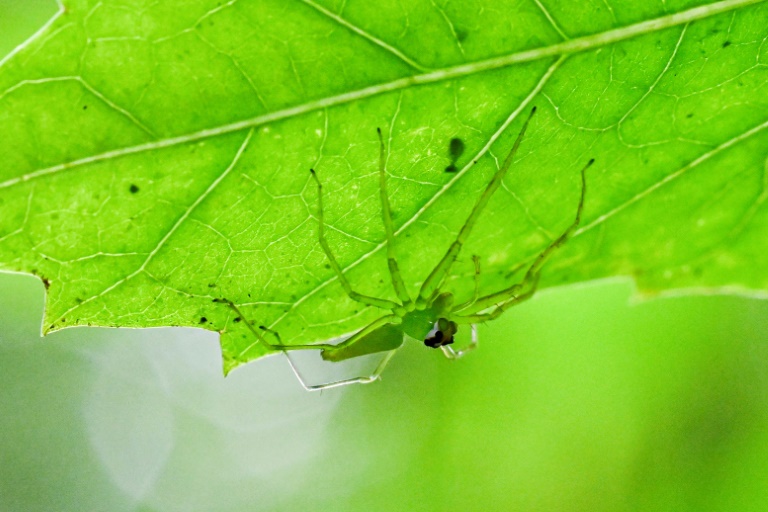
column 565, row 48
column 207, row 192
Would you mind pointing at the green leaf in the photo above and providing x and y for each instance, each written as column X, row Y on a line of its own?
column 156, row 154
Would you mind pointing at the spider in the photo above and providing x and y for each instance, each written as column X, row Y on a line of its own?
column 432, row 316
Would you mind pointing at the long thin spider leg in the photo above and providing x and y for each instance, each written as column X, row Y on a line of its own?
column 443, row 268
column 279, row 346
column 517, row 299
column 335, row 352
column 533, row 271
column 476, row 295
column 439, row 285
column 450, row 353
column 376, row 375
column 397, row 279
column 365, row 299
column 324, row 347
column 287, row 355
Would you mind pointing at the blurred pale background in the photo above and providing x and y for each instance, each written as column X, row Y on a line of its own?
column 576, row 401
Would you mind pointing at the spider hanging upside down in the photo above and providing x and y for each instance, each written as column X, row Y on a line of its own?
column 432, row 316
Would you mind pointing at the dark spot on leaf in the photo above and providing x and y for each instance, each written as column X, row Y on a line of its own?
column 726, row 44
column 63, row 320
column 456, row 147
column 85, row 107
column 327, row 265
column 46, row 283
column 133, row 189
column 211, row 285
column 461, row 35
column 78, row 300
column 237, row 320
column 689, row 115
column 203, row 319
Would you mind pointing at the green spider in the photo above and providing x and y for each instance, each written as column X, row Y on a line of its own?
column 433, row 316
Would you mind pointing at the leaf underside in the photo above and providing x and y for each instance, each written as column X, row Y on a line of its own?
column 156, row 154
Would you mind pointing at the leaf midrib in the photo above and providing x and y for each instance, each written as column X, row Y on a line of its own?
column 569, row 47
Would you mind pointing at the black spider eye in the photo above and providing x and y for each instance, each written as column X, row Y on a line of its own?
column 441, row 334
column 434, row 341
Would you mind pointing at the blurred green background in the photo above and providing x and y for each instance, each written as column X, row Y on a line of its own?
column 579, row 400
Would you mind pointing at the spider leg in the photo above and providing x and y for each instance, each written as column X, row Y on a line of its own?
column 376, row 375
column 365, row 299
column 260, row 337
column 337, row 352
column 397, row 279
column 476, row 295
column 450, row 353
column 334, row 352
column 505, row 298
column 500, row 308
column 324, row 347
column 443, row 268
column 285, row 352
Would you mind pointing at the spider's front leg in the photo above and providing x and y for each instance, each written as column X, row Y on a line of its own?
column 440, row 272
column 260, row 338
column 373, row 377
column 526, row 288
column 394, row 271
column 364, row 299
column 381, row 335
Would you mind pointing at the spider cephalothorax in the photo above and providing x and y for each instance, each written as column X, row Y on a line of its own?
column 432, row 316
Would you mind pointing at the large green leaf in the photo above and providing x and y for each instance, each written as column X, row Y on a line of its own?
column 156, row 154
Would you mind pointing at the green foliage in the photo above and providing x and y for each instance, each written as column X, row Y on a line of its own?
column 156, row 154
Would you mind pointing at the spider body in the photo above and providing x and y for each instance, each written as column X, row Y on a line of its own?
column 425, row 323
column 432, row 317
column 420, row 322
